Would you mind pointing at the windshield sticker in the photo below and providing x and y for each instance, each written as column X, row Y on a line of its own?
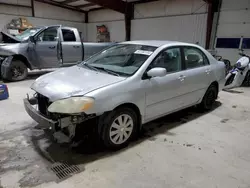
column 143, row 52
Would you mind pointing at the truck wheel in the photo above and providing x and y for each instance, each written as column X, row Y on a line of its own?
column 209, row 98
column 119, row 127
column 18, row 71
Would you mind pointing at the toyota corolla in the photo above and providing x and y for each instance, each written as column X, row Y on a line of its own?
column 124, row 87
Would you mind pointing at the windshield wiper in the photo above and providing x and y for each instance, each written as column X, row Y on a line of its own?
column 106, row 70
column 89, row 67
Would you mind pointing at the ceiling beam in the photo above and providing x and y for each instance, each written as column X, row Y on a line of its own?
column 116, row 5
column 68, row 1
column 86, row 5
column 54, row 3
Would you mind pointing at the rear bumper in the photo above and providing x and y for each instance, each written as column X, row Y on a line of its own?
column 43, row 121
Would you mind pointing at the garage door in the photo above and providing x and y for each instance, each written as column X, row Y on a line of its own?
column 233, row 31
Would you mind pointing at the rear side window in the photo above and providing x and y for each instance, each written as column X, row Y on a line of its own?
column 228, row 43
column 68, row 35
column 194, row 58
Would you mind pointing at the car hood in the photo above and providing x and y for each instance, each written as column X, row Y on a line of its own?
column 72, row 81
column 9, row 38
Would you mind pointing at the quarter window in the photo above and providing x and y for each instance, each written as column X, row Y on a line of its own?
column 169, row 59
column 49, row 34
column 194, row 58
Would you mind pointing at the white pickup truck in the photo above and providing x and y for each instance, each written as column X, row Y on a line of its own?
column 42, row 48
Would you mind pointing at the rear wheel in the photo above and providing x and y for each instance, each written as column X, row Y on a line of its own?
column 119, row 127
column 246, row 81
column 209, row 98
column 18, row 71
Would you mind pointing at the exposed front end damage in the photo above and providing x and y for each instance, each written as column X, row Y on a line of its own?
column 63, row 126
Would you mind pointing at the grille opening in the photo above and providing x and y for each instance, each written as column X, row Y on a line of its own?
column 43, row 104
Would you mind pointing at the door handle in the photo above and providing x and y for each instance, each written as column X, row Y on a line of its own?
column 208, row 71
column 76, row 46
column 182, row 78
column 52, row 47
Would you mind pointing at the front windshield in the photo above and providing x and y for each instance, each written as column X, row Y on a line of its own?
column 25, row 34
column 121, row 59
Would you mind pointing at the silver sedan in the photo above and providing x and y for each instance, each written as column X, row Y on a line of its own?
column 124, row 87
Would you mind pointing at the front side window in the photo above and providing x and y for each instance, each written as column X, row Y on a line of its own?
column 194, row 58
column 169, row 59
column 68, row 35
column 49, row 34
column 121, row 59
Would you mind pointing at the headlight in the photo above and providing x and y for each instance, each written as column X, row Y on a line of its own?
column 71, row 105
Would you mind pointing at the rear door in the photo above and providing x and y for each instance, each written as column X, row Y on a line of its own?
column 71, row 45
column 198, row 74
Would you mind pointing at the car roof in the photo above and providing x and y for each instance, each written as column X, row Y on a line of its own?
column 156, row 43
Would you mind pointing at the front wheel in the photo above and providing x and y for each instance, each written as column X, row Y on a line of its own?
column 119, row 127
column 18, row 71
column 209, row 98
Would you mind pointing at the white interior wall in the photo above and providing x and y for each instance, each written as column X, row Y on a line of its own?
column 44, row 15
column 165, row 8
column 43, row 10
column 159, row 20
column 171, row 20
column 112, row 19
column 234, row 22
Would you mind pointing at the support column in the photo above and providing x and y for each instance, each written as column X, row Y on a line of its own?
column 129, row 15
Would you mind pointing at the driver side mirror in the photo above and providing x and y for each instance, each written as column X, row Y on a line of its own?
column 157, row 72
column 32, row 39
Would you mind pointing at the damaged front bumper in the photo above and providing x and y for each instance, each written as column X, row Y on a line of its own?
column 46, row 122
column 43, row 121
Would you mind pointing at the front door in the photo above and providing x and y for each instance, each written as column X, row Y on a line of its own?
column 165, row 94
column 44, row 51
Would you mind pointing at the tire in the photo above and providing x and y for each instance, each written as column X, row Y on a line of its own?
column 209, row 98
column 19, row 71
column 110, row 124
column 246, row 82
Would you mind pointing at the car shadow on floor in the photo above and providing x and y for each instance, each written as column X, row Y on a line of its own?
column 92, row 149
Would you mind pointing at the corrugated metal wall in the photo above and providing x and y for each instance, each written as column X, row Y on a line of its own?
column 171, row 20
column 161, row 20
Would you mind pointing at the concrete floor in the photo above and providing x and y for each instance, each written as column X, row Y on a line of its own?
column 186, row 149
